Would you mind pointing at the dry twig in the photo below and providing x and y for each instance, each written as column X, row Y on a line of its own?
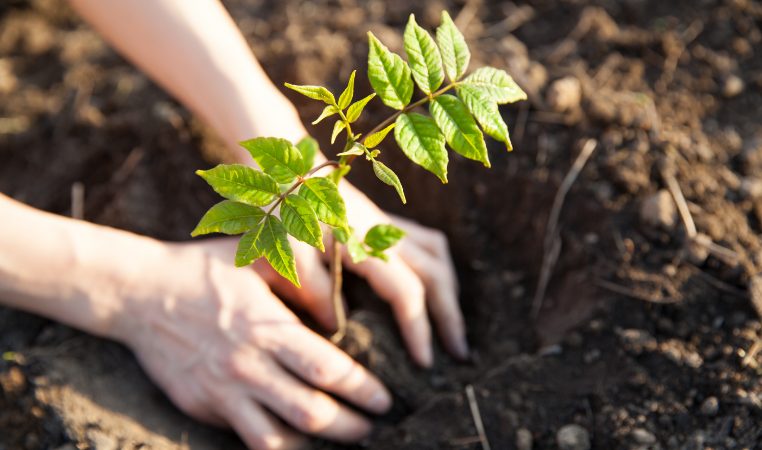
column 477, row 417
column 727, row 255
column 77, row 200
column 552, row 242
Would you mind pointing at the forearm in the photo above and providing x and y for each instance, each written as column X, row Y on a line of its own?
column 67, row 270
column 195, row 51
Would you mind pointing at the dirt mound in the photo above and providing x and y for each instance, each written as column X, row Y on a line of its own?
column 646, row 336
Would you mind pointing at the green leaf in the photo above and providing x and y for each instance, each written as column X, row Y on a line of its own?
column 389, row 75
column 376, row 138
column 421, row 141
column 300, row 221
column 229, row 217
column 497, row 84
column 355, row 247
column 382, row 237
column 338, row 127
column 354, row 111
column 388, row 176
column 339, row 173
column 314, row 92
column 247, row 250
column 346, row 97
column 452, row 44
column 241, row 184
column 328, row 111
column 486, row 112
column 356, row 149
column 423, row 56
column 277, row 157
column 459, row 128
column 308, row 148
column 342, row 234
column 272, row 242
column 324, row 198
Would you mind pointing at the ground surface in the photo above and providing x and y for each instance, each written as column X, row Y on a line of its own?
column 642, row 340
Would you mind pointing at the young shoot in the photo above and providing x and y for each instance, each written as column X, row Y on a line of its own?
column 286, row 196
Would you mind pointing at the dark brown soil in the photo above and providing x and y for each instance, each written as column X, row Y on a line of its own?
column 643, row 338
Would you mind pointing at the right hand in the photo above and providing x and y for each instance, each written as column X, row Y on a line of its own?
column 227, row 351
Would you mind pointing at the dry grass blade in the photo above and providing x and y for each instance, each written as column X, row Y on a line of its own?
column 551, row 243
column 477, row 417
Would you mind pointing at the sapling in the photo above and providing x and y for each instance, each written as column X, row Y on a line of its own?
column 286, row 196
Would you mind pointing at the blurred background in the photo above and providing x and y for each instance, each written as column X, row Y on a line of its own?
column 612, row 324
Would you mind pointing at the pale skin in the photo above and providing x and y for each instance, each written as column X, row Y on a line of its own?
column 217, row 339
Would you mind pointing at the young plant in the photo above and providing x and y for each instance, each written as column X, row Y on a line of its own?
column 287, row 197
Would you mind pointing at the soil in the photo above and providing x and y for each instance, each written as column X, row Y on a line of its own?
column 647, row 335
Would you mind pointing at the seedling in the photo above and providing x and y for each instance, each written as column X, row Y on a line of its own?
column 287, row 182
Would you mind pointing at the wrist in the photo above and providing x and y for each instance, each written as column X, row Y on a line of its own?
column 274, row 116
column 112, row 272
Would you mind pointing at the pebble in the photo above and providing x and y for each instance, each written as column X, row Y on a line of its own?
column 643, row 436
column 751, row 187
column 573, row 437
column 733, row 86
column 565, row 94
column 710, row 407
column 755, row 292
column 698, row 249
column 659, row 210
column 101, row 441
column 524, row 439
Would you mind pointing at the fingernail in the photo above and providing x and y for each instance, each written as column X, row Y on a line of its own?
column 461, row 350
column 380, row 402
column 426, row 359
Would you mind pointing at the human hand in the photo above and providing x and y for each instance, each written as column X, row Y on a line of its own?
column 227, row 351
column 418, row 276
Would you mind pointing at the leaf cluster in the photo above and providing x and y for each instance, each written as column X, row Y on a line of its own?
column 285, row 198
column 305, row 201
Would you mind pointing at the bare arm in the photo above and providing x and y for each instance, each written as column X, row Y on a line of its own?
column 195, row 51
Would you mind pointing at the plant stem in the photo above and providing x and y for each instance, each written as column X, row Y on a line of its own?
column 338, row 301
column 336, row 267
column 298, row 182
column 407, row 108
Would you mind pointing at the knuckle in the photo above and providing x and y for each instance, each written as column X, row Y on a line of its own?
column 416, row 292
column 440, row 242
column 235, row 366
column 318, row 374
column 305, row 419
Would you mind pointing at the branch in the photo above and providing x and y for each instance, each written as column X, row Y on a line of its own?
column 409, row 107
column 298, row 182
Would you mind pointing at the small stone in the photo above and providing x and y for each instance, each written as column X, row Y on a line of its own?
column 101, row 441
column 751, row 187
column 592, row 356
column 524, row 439
column 565, row 94
column 698, row 249
column 733, row 86
column 573, row 437
column 643, row 436
column 659, row 210
column 710, row 407
column 550, row 350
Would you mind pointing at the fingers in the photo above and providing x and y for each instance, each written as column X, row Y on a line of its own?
column 258, row 428
column 440, row 284
column 431, row 240
column 322, row 365
column 306, row 409
column 396, row 283
column 315, row 293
